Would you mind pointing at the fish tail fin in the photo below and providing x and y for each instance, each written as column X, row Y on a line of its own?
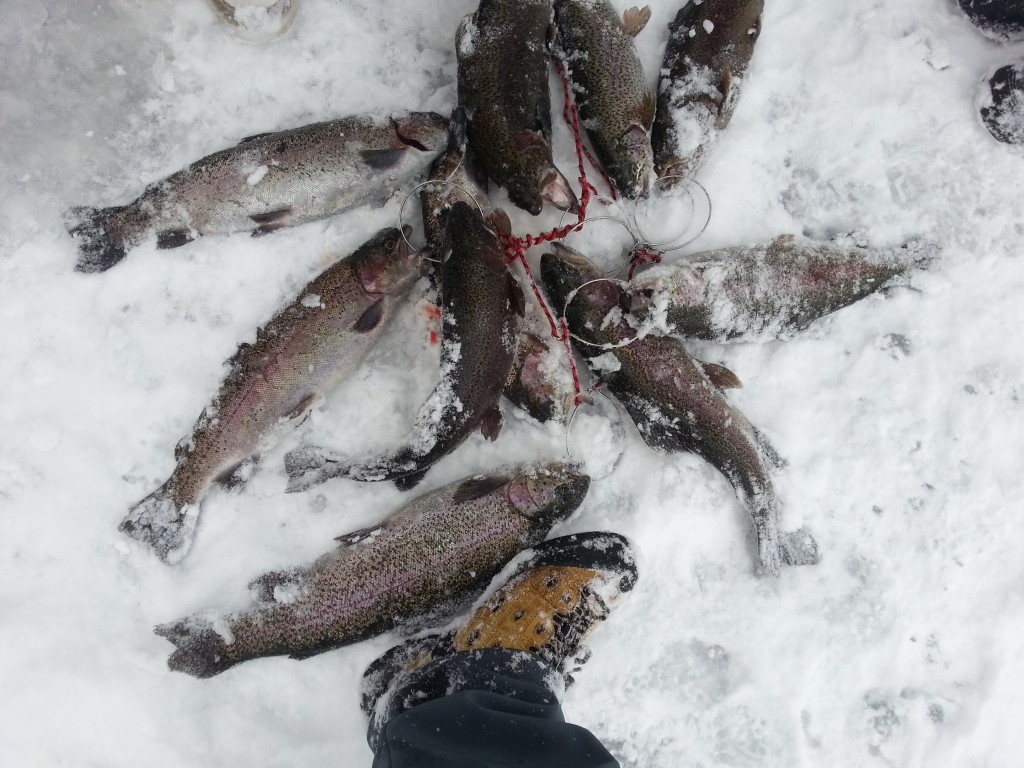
column 162, row 523
column 101, row 243
column 200, row 650
column 310, row 466
column 922, row 253
column 798, row 547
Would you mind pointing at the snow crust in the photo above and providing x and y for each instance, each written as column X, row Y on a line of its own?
column 901, row 419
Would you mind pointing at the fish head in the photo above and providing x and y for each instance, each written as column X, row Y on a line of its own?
column 565, row 270
column 425, row 131
column 548, row 493
column 633, row 176
column 387, row 262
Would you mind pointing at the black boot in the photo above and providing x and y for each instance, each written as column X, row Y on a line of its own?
column 998, row 19
column 487, row 693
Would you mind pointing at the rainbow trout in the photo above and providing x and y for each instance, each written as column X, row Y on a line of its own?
column 503, row 86
column 675, row 405
column 615, row 104
column 420, row 564
column 303, row 352
column 266, row 182
column 768, row 292
column 481, row 309
column 709, row 47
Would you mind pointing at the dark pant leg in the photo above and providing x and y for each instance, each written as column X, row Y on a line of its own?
column 481, row 709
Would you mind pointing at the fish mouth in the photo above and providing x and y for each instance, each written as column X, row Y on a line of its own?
column 555, row 189
column 570, row 494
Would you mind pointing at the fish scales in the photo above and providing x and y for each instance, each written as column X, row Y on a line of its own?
column 614, row 102
column 503, row 86
column 436, row 552
column 706, row 59
column 771, row 291
column 674, row 404
column 266, row 182
column 303, row 352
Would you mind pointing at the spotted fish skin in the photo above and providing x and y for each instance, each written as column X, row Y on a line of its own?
column 503, row 87
column 422, row 562
column 614, row 102
column 768, row 292
column 709, row 49
column 481, row 310
column 303, row 352
column 266, row 182
column 673, row 402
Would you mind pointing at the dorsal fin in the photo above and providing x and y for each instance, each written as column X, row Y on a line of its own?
column 348, row 539
column 478, row 487
column 721, row 376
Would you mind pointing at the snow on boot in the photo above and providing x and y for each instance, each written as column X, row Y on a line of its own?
column 1001, row 104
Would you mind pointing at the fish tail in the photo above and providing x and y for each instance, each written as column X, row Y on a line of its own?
column 162, row 523
column 310, row 466
column 97, row 231
column 200, row 650
column 798, row 547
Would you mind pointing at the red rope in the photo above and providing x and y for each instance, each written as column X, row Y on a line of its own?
column 642, row 256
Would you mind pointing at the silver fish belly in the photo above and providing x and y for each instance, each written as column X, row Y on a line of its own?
column 266, row 182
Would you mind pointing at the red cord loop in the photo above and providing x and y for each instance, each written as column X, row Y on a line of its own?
column 516, row 247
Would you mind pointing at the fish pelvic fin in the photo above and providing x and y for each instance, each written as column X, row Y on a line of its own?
column 100, row 242
column 162, row 524
column 200, row 650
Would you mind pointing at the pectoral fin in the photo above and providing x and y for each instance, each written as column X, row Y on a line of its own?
column 382, row 159
column 270, row 221
column 301, row 410
column 478, row 487
column 490, row 425
column 233, row 479
column 371, row 317
column 173, row 238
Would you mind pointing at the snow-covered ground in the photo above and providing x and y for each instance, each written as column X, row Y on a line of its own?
column 901, row 417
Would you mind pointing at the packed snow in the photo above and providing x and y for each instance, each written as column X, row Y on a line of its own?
column 901, row 417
